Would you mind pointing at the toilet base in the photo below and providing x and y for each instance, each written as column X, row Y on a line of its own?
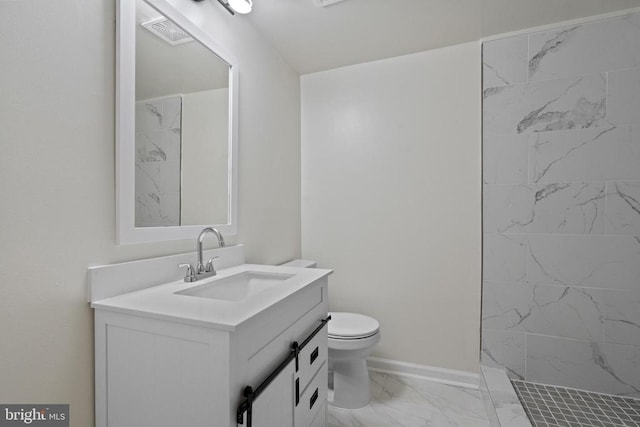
column 351, row 384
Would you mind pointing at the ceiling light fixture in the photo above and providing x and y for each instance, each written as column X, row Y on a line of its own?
column 236, row 6
column 241, row 6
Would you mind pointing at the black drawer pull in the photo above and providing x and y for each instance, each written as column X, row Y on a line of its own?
column 314, row 397
column 314, row 356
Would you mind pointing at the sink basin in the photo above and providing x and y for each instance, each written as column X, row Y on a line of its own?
column 237, row 287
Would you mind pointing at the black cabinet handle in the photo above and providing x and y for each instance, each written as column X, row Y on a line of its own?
column 314, row 397
column 314, row 356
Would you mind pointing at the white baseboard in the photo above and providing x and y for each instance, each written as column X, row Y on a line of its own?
column 430, row 373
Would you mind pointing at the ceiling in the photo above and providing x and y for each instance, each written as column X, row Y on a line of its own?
column 312, row 38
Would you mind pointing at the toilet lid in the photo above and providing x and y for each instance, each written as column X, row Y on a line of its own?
column 352, row 325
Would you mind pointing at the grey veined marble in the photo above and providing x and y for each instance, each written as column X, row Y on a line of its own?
column 504, row 61
column 561, row 176
column 157, row 210
column 599, row 154
column 587, row 365
column 158, row 147
column 623, row 207
column 504, row 258
column 623, row 98
column 545, row 208
column 551, row 310
column 590, row 48
column 610, row 262
column 622, row 317
column 572, row 103
column 504, row 159
column 505, row 349
column 407, row 402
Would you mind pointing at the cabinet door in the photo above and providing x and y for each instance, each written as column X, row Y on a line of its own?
column 274, row 407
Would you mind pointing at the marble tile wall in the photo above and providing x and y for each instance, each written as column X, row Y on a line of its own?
column 561, row 206
column 158, row 151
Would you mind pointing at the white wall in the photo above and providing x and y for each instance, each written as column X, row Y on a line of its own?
column 390, row 197
column 204, row 183
column 57, row 181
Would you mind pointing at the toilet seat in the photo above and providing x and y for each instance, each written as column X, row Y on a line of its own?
column 352, row 326
column 351, row 344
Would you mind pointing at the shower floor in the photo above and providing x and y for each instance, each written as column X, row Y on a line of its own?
column 548, row 405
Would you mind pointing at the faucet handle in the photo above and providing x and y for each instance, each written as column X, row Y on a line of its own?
column 209, row 268
column 190, row 275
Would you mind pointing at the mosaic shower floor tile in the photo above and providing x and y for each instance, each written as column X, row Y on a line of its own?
column 551, row 406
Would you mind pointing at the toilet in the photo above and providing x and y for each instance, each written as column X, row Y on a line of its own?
column 352, row 338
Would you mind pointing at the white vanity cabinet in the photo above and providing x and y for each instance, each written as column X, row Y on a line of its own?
column 155, row 370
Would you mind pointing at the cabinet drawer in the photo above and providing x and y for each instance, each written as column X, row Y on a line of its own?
column 311, row 357
column 312, row 399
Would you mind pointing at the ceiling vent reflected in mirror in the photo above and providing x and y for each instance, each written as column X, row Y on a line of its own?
column 323, row 3
column 167, row 31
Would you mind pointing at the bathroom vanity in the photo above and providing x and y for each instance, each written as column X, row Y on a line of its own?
column 181, row 354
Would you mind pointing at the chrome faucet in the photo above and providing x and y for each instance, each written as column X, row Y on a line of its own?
column 201, row 268
column 201, row 271
column 190, row 275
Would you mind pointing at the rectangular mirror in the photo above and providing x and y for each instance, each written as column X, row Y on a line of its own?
column 177, row 114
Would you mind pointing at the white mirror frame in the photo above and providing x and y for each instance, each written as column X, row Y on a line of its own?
column 127, row 232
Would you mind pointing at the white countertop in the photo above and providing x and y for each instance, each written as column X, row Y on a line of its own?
column 161, row 301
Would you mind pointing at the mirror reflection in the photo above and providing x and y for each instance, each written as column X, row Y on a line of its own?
column 181, row 126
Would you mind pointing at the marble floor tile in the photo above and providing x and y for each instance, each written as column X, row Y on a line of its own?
column 408, row 402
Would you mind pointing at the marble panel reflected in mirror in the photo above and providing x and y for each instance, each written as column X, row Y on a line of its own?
column 181, row 126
